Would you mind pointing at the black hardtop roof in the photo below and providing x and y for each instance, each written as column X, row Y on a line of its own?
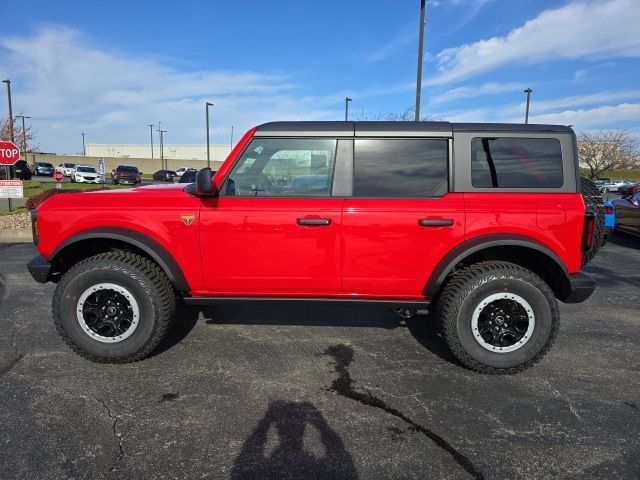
column 402, row 129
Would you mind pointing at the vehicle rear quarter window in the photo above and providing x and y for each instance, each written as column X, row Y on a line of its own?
column 283, row 167
column 400, row 168
column 512, row 162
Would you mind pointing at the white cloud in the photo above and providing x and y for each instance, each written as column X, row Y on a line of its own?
column 545, row 106
column 595, row 29
column 68, row 86
column 602, row 116
column 580, row 76
column 402, row 40
column 491, row 88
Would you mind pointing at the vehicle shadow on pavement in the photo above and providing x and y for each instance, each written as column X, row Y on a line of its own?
column 185, row 319
column 426, row 330
column 293, row 440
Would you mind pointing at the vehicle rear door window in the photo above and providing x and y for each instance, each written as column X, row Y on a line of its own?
column 400, row 168
column 283, row 167
column 510, row 162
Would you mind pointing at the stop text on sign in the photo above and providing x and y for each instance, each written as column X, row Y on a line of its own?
column 9, row 152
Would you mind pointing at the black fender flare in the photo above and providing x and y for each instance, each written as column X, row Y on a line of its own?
column 143, row 242
column 467, row 248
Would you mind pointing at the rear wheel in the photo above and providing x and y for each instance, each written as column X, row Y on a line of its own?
column 593, row 203
column 114, row 307
column 498, row 317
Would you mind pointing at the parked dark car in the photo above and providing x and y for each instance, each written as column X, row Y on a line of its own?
column 22, row 170
column 629, row 189
column 126, row 174
column 628, row 214
column 44, row 169
column 164, row 175
column 189, row 176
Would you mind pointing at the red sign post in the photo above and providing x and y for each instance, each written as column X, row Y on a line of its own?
column 9, row 153
column 57, row 176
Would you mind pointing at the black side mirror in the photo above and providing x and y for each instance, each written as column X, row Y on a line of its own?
column 204, row 185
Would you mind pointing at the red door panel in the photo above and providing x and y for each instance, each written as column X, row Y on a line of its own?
column 387, row 253
column 271, row 246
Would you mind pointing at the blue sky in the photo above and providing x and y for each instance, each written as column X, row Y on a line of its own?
column 111, row 68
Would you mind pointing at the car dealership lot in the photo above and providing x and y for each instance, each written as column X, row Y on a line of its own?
column 324, row 392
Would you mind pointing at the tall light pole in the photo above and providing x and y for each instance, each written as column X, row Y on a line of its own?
column 84, row 148
column 526, row 114
column 161, row 158
column 423, row 7
column 24, row 136
column 151, row 131
column 8, row 82
column 231, row 137
column 209, row 104
column 346, row 108
column 161, row 132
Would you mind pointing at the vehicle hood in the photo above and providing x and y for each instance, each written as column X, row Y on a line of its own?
column 150, row 197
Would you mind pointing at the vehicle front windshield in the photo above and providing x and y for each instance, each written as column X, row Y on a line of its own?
column 69, row 165
column 127, row 169
column 87, row 169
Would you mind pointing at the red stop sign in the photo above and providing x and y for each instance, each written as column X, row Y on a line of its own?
column 57, row 176
column 9, row 153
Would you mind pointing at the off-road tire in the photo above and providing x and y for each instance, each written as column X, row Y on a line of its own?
column 593, row 203
column 145, row 280
column 464, row 291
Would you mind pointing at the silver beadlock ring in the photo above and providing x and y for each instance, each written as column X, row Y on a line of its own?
column 503, row 296
column 133, row 304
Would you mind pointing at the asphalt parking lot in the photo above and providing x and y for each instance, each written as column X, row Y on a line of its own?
column 290, row 392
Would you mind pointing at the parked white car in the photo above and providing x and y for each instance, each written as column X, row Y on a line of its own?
column 613, row 186
column 85, row 174
column 66, row 168
column 181, row 170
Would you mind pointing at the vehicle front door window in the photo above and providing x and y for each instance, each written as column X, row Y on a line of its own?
column 280, row 167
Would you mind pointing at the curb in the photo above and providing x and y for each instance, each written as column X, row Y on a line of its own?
column 16, row 236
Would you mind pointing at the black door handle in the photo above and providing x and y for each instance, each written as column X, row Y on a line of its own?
column 315, row 222
column 429, row 222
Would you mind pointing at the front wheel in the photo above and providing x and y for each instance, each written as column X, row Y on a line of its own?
column 114, row 307
column 498, row 317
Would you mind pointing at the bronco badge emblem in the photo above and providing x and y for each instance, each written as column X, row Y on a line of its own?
column 187, row 219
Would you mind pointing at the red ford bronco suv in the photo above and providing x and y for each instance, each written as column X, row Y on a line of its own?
column 487, row 223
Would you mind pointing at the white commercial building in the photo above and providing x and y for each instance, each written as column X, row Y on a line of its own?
column 182, row 152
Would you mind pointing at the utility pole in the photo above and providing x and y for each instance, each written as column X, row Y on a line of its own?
column 151, row 131
column 346, row 108
column 162, row 148
column 526, row 114
column 209, row 104
column 423, row 7
column 161, row 157
column 24, row 136
column 231, row 137
column 84, row 148
column 8, row 82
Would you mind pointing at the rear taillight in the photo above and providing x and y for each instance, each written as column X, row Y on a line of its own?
column 587, row 232
column 608, row 210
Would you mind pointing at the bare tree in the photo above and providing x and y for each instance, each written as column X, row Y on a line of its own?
column 607, row 150
column 5, row 134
